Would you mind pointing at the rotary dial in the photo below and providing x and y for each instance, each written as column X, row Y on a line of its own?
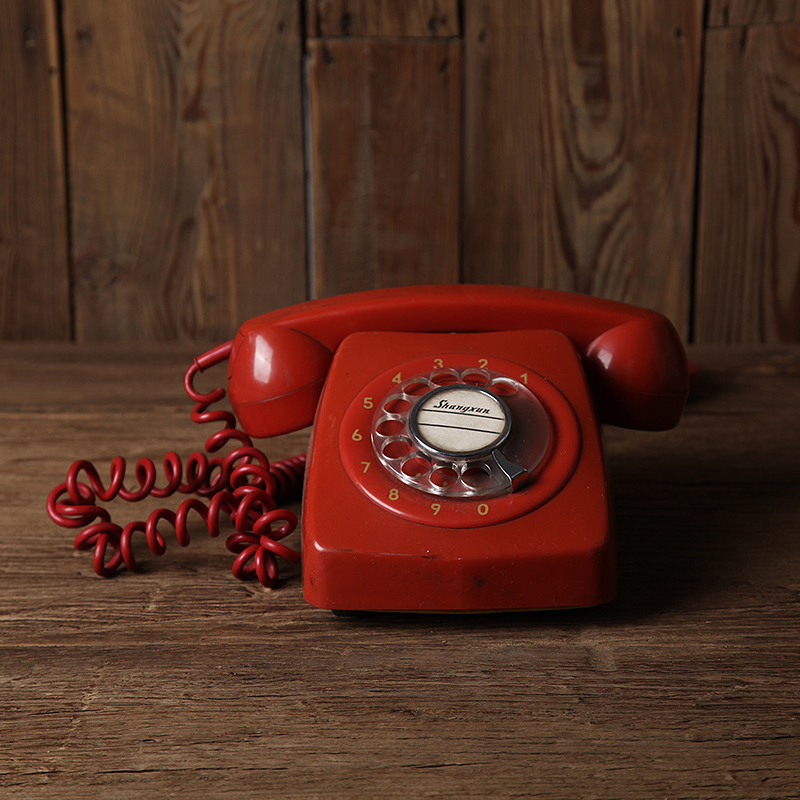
column 461, row 433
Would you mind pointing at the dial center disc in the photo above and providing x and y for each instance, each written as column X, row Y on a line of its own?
column 459, row 421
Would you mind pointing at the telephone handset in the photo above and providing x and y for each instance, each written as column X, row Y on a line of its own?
column 633, row 357
column 455, row 461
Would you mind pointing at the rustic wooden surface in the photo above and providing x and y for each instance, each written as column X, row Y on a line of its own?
column 393, row 18
column 578, row 97
column 186, row 165
column 748, row 262
column 34, row 276
column 181, row 681
column 385, row 162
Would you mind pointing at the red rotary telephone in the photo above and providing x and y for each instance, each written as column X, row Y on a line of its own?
column 455, row 437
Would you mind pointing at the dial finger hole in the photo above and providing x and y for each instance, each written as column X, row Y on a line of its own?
column 417, row 387
column 396, row 405
column 503, row 387
column 477, row 477
column 390, row 426
column 443, row 476
column 396, row 448
column 476, row 377
column 415, row 467
column 445, row 377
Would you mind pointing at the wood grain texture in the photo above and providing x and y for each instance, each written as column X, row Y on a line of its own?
column 722, row 13
column 580, row 147
column 390, row 18
column 181, row 681
column 748, row 260
column 385, row 163
column 186, row 163
column 34, row 267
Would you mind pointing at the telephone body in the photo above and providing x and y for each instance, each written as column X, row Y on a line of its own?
column 456, row 462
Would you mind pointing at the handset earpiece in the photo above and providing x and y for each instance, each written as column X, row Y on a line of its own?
column 638, row 374
column 275, row 377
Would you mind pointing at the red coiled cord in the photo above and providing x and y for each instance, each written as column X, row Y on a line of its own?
column 242, row 484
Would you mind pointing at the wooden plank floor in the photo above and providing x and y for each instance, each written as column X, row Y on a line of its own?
column 180, row 681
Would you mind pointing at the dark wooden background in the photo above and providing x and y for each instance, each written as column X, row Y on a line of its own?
column 170, row 168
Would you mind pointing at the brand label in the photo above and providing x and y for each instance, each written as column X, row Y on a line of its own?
column 445, row 406
column 459, row 420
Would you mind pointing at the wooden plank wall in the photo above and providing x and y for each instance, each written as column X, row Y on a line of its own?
column 34, row 271
column 186, row 167
column 170, row 168
column 748, row 257
column 571, row 180
column 385, row 85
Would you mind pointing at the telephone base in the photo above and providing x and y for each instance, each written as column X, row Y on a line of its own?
column 373, row 543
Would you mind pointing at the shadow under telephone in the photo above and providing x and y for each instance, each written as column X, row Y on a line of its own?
column 455, row 462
